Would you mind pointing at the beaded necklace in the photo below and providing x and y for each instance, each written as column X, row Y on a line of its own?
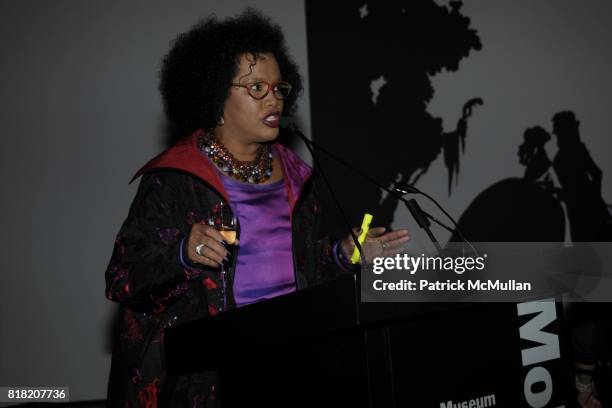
column 253, row 172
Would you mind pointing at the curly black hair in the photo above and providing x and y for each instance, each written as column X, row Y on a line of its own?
column 197, row 72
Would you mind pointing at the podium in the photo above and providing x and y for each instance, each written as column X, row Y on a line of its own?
column 322, row 347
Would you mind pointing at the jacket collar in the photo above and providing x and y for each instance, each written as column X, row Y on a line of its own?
column 186, row 156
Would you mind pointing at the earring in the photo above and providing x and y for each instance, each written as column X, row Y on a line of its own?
column 221, row 121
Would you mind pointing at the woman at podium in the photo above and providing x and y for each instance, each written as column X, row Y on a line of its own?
column 226, row 216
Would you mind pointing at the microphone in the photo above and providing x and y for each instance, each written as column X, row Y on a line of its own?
column 294, row 129
column 419, row 215
column 404, row 188
column 399, row 190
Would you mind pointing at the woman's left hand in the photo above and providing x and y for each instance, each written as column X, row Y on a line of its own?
column 377, row 243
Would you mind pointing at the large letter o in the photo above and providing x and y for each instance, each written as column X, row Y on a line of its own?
column 534, row 376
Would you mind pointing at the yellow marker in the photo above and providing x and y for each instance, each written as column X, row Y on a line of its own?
column 365, row 227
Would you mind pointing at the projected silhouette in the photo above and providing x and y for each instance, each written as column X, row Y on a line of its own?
column 370, row 69
column 580, row 180
column 533, row 156
column 530, row 208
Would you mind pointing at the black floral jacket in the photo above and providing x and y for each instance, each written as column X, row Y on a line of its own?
column 156, row 290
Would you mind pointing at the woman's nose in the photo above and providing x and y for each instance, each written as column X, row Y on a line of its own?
column 271, row 101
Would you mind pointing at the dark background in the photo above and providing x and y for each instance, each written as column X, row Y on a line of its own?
column 80, row 114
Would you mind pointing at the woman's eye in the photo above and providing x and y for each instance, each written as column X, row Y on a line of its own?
column 257, row 87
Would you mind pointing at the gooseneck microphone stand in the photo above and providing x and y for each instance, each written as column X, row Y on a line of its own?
column 422, row 220
column 421, row 217
column 414, row 207
column 309, row 145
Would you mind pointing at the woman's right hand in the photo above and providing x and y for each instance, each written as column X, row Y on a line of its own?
column 209, row 240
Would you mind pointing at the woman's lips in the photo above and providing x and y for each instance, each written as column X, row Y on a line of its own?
column 272, row 120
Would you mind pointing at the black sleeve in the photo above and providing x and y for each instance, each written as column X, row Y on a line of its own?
column 145, row 271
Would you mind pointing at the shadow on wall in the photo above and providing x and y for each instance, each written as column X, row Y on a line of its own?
column 531, row 208
column 370, row 66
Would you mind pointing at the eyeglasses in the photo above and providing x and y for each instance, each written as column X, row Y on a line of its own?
column 259, row 89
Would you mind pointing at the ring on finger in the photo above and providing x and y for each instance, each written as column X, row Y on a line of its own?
column 198, row 249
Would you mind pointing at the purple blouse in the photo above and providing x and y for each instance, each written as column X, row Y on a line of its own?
column 265, row 260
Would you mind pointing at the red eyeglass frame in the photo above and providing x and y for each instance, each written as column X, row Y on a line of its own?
column 269, row 86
